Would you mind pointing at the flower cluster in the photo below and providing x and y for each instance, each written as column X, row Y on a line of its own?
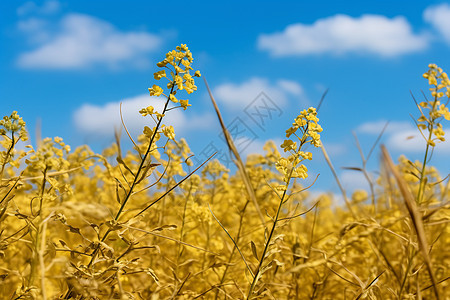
column 12, row 130
column 436, row 110
column 14, row 123
column 307, row 130
column 439, row 80
column 178, row 64
column 176, row 69
column 49, row 155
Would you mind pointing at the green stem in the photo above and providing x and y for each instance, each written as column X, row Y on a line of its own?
column 422, row 173
column 136, row 177
column 8, row 153
column 36, row 241
column 222, row 280
column 147, row 153
column 266, row 247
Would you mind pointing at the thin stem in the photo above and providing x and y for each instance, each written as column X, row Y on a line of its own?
column 233, row 250
column 147, row 153
column 8, row 153
column 136, row 177
column 422, row 173
column 266, row 247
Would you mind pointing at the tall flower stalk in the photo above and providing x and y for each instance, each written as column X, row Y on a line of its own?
column 178, row 64
column 307, row 131
column 432, row 111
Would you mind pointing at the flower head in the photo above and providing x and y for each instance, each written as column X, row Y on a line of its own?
column 307, row 130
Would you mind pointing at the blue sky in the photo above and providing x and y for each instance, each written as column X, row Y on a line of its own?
column 70, row 64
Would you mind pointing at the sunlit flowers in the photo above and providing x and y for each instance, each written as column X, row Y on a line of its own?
column 433, row 111
column 306, row 130
column 176, row 69
column 13, row 124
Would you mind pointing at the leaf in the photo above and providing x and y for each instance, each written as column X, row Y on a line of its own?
column 189, row 261
column 51, row 249
column 278, row 263
column 238, row 161
column 152, row 274
column 274, row 240
column 271, row 252
column 352, row 168
column 255, row 254
column 107, row 250
column 266, row 233
column 266, row 267
column 2, row 212
column 120, row 161
column 74, row 229
column 168, row 227
column 415, row 215
column 20, row 215
column 220, row 264
column 113, row 225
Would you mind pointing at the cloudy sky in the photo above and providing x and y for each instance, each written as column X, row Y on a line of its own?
column 69, row 64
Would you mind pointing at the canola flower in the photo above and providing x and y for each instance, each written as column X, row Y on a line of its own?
column 12, row 129
column 178, row 64
column 432, row 112
column 180, row 79
column 307, row 131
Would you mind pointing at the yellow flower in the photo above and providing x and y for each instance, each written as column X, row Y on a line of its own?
column 179, row 82
column 160, row 74
column 281, row 188
column 173, row 98
column 163, row 63
column 288, row 145
column 169, row 132
column 187, row 64
column 305, row 155
column 184, row 104
column 291, row 131
column 148, row 132
column 300, row 172
column 146, row 111
column 155, row 90
column 182, row 47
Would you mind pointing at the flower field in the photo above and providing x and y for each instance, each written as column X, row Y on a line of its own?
column 145, row 223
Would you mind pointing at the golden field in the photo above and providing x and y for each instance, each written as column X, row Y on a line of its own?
column 147, row 224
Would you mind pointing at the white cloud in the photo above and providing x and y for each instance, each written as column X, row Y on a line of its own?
column 49, row 7
column 290, row 86
column 335, row 149
column 339, row 34
column 36, row 29
column 408, row 140
column 412, row 141
column 82, row 41
column 376, row 127
column 237, row 96
column 402, row 136
column 100, row 120
column 439, row 17
column 353, row 180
